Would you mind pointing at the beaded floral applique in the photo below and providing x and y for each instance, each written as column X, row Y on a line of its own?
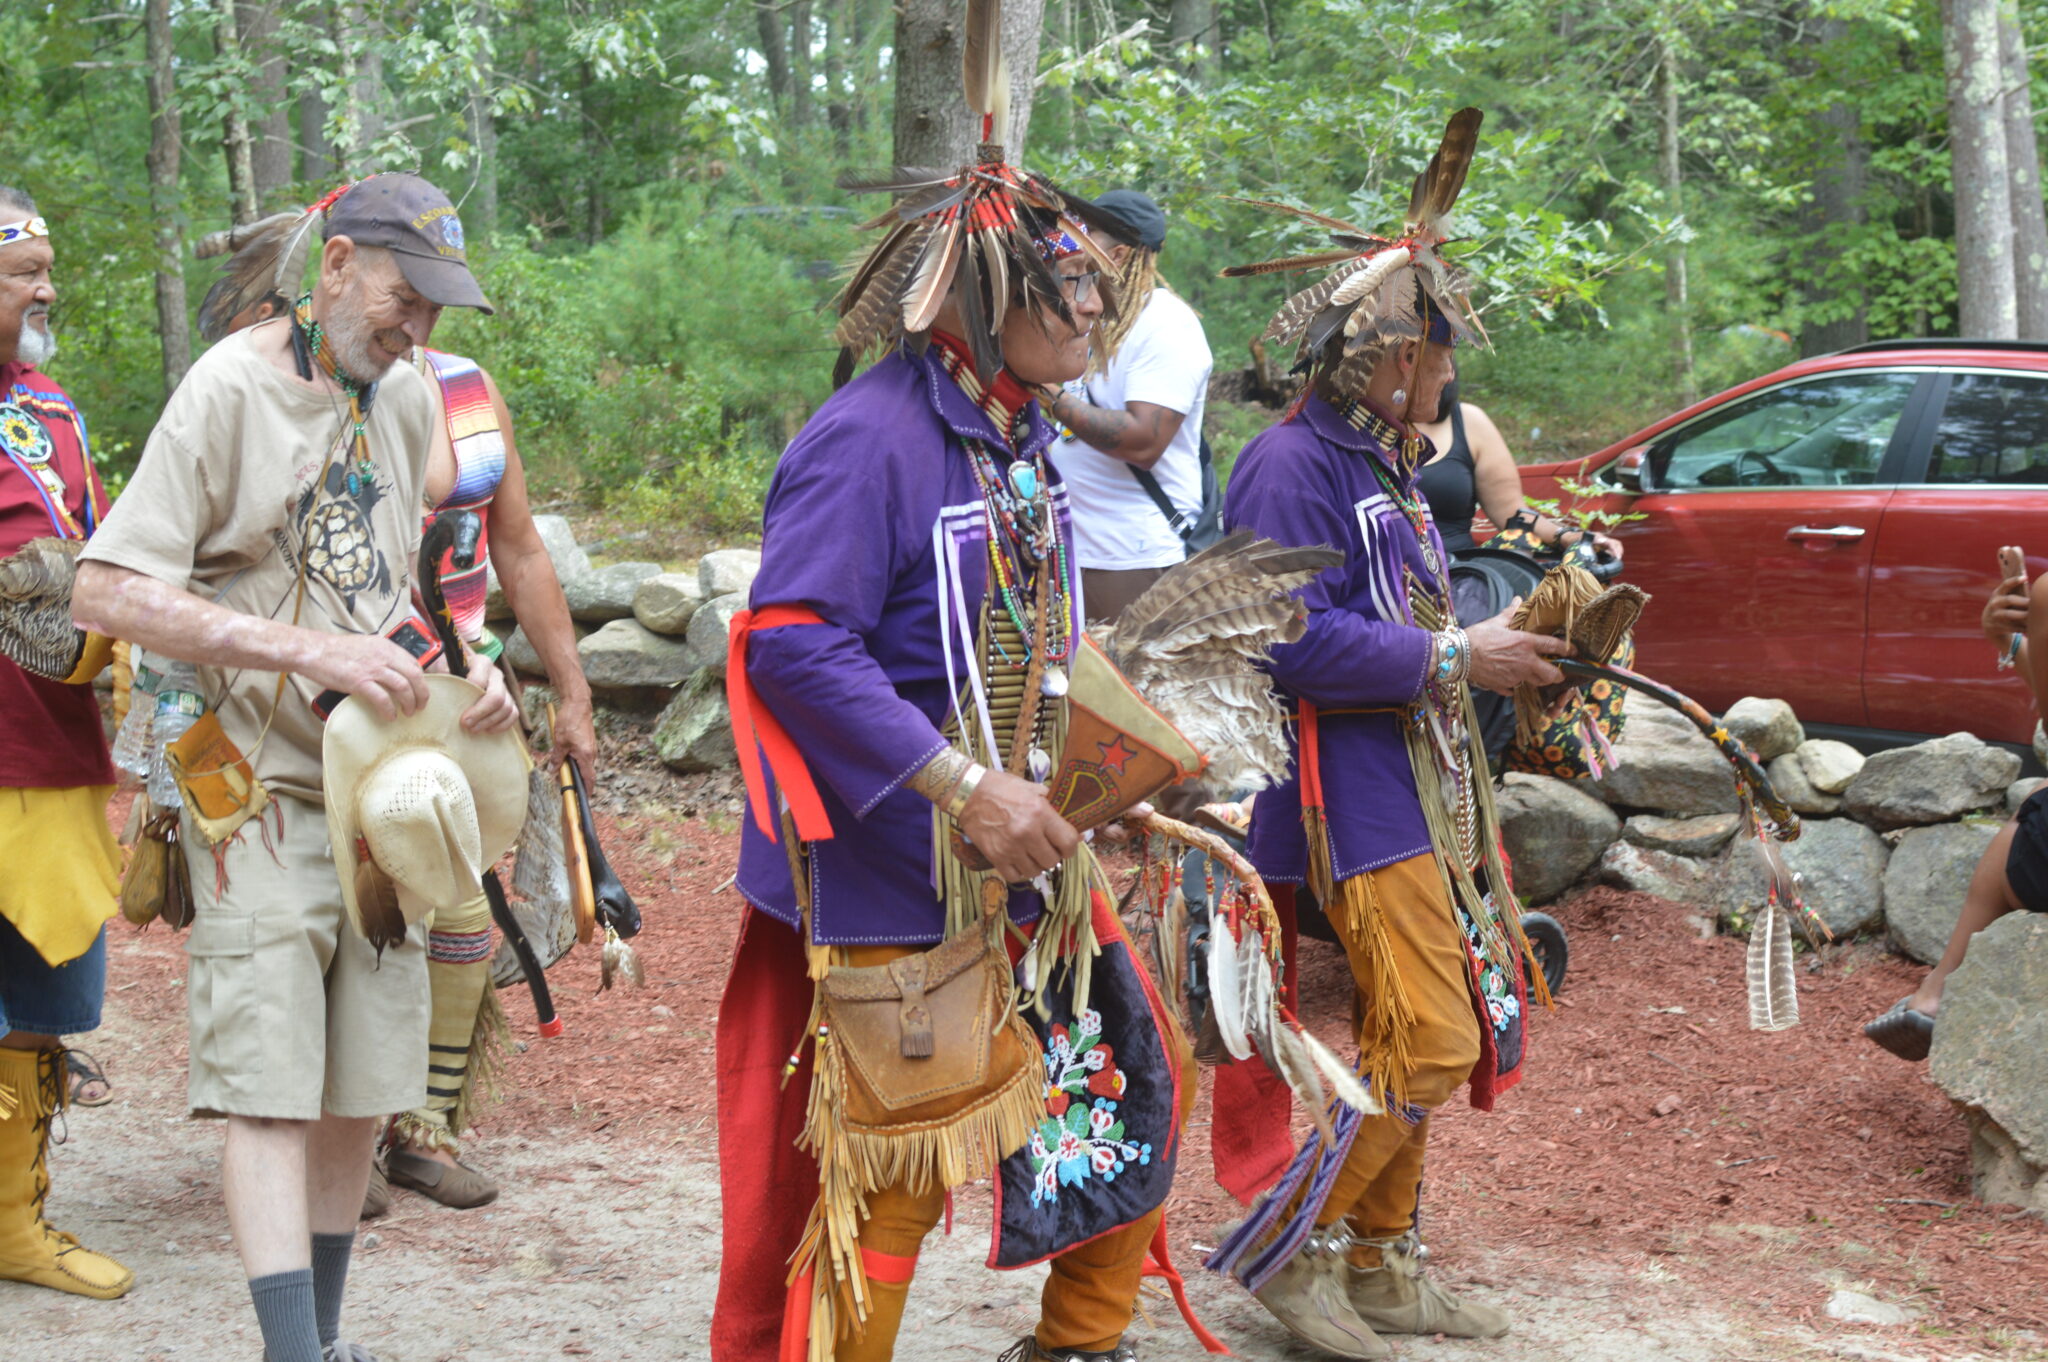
column 1082, row 1136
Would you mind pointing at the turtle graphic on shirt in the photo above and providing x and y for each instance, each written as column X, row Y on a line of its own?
column 334, row 528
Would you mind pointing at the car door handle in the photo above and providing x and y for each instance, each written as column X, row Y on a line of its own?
column 1842, row 534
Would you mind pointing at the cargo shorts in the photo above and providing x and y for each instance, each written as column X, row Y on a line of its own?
column 292, row 1012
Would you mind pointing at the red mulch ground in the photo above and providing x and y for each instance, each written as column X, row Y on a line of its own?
column 1782, row 1158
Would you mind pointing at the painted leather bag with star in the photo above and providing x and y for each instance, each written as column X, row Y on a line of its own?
column 1118, row 750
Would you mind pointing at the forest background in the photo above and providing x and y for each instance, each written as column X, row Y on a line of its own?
column 1670, row 197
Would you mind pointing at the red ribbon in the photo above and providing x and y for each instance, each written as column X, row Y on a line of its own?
column 1309, row 759
column 755, row 730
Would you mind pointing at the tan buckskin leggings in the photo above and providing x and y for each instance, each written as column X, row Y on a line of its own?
column 1375, row 1193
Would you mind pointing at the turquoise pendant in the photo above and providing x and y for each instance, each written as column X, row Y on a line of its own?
column 1024, row 478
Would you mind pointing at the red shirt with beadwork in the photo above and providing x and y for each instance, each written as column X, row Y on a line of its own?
column 50, row 733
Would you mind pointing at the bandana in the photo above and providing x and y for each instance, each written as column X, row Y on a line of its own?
column 27, row 228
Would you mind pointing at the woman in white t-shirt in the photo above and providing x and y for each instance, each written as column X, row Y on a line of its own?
column 1131, row 451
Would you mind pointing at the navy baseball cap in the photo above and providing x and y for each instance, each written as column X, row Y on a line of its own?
column 415, row 222
column 1143, row 221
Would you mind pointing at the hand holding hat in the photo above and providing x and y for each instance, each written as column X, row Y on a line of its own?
column 418, row 806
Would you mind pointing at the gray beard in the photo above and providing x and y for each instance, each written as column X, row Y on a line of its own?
column 348, row 341
column 35, row 346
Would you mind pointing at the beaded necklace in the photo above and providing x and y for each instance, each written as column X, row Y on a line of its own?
column 361, row 468
column 1406, row 452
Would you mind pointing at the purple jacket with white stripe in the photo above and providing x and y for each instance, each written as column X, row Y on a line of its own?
column 875, row 521
column 1304, row 482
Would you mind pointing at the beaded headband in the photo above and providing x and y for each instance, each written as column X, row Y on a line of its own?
column 26, row 229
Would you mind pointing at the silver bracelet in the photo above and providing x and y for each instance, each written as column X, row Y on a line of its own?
column 956, row 799
column 1451, row 658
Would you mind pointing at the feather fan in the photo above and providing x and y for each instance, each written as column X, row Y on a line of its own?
column 1193, row 642
column 35, row 607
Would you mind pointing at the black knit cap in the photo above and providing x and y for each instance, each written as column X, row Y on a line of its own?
column 1144, row 219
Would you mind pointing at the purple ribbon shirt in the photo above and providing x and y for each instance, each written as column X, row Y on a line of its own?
column 1310, row 481
column 875, row 521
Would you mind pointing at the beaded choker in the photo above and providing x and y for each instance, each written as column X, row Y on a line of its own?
column 1003, row 400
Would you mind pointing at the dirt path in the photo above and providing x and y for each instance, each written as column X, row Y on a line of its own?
column 1789, row 1166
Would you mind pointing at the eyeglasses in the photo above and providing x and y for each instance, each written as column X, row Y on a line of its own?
column 1078, row 288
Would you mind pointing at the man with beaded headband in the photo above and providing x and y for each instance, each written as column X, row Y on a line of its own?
column 268, row 536
column 59, row 866
column 1386, row 819
column 909, row 643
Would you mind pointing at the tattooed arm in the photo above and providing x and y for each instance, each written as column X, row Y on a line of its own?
column 1138, row 434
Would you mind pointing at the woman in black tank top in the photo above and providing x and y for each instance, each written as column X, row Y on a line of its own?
column 1474, row 471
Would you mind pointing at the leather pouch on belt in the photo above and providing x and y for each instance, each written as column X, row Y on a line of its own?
column 925, row 1038
column 219, row 786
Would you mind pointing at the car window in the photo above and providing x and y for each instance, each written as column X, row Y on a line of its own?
column 1994, row 428
column 1829, row 431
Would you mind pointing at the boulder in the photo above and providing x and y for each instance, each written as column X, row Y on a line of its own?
column 560, row 541
column 605, row 594
column 1553, row 831
column 1678, row 878
column 1769, row 727
column 1699, row 836
column 520, row 652
column 1828, row 765
column 496, row 607
column 1925, row 882
column 665, row 602
column 1649, row 721
column 709, row 628
column 1930, row 782
column 1671, row 777
column 626, row 656
column 2040, row 743
column 1788, row 778
column 533, row 708
column 725, row 571
column 695, row 732
column 1841, row 865
column 2016, row 793
column 1988, row 1045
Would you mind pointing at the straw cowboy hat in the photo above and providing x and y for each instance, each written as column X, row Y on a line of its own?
column 418, row 808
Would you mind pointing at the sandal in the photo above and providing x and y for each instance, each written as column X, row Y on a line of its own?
column 85, row 1072
column 1903, row 1030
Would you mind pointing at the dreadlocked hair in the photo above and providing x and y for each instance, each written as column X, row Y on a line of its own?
column 1135, row 280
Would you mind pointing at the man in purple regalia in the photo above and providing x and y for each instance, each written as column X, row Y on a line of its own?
column 903, row 668
column 1385, row 823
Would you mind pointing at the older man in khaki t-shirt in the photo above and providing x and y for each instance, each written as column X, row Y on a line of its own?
column 268, row 536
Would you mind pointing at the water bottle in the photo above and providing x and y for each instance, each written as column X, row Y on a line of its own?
column 178, row 707
column 131, row 744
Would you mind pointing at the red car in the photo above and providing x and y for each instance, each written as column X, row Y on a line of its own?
column 1828, row 534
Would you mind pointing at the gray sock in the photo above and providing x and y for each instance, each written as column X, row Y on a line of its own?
column 284, row 1311
column 330, row 1276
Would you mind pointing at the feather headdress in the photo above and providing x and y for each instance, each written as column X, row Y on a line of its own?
column 1380, row 289
column 263, row 258
column 985, row 234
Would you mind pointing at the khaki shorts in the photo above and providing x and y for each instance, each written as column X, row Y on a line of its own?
column 292, row 1013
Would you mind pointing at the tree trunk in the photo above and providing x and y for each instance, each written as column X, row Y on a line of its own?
column 1190, row 23
column 1979, row 169
column 593, row 183
column 270, row 132
column 2023, row 162
column 840, row 26
column 320, row 164
column 933, row 127
column 1676, row 302
column 173, row 326
column 481, row 209
column 1840, row 179
column 227, row 44
column 364, row 121
column 774, row 52
column 800, row 63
